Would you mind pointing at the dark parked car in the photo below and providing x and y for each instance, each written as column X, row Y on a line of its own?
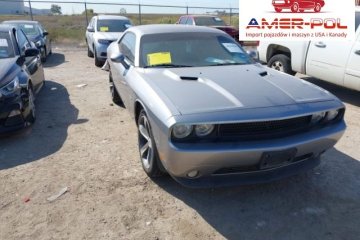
column 37, row 34
column 21, row 76
column 298, row 5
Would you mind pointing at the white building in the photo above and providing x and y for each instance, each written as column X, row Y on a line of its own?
column 11, row 7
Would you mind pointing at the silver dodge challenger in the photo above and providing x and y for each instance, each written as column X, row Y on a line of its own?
column 209, row 115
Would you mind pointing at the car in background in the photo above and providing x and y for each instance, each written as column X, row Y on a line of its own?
column 218, row 23
column 337, row 62
column 209, row 115
column 209, row 21
column 21, row 77
column 36, row 33
column 101, row 31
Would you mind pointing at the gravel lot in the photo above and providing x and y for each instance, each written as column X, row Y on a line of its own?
column 83, row 142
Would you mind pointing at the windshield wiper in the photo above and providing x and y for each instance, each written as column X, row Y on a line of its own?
column 227, row 64
column 168, row 65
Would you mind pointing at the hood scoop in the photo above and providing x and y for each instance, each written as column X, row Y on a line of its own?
column 263, row 74
column 189, row 78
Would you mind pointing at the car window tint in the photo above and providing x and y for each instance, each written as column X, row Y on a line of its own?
column 127, row 46
column 22, row 41
column 190, row 21
column 112, row 25
column 6, row 47
column 357, row 20
column 182, row 20
column 191, row 49
column 209, row 21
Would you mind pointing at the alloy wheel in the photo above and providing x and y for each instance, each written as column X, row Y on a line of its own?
column 278, row 66
column 145, row 142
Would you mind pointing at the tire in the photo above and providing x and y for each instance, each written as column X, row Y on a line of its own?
column 115, row 97
column 278, row 10
column 30, row 119
column 89, row 52
column 43, row 55
column 282, row 63
column 295, row 7
column 148, row 153
column 98, row 63
column 317, row 8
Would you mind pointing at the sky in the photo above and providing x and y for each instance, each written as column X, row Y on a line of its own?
column 69, row 8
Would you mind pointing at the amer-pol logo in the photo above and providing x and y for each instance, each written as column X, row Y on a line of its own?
column 296, row 20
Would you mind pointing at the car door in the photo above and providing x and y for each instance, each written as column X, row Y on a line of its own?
column 121, row 76
column 90, row 35
column 307, row 4
column 352, row 72
column 327, row 60
column 46, row 38
column 32, row 64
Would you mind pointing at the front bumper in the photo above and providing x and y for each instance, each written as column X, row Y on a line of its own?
column 210, row 159
column 15, row 107
column 101, row 51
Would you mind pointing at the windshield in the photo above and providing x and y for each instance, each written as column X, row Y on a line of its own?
column 29, row 29
column 113, row 25
column 190, row 50
column 357, row 20
column 6, row 48
column 209, row 21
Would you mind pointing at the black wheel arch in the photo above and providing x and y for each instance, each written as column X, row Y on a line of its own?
column 274, row 49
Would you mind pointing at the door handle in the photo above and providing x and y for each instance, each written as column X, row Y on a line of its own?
column 320, row 45
column 357, row 52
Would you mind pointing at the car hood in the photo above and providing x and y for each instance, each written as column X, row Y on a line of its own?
column 219, row 88
column 34, row 38
column 8, row 71
column 226, row 29
column 108, row 35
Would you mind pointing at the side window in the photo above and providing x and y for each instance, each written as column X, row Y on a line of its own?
column 190, row 21
column 127, row 46
column 23, row 42
column 183, row 20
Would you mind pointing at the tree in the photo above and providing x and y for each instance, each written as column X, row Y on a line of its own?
column 55, row 9
column 122, row 11
column 89, row 12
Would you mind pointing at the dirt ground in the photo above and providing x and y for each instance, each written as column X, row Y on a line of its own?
column 83, row 142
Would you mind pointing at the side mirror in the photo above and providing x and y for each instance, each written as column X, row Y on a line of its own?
column 32, row 52
column 90, row 29
column 119, row 58
column 45, row 33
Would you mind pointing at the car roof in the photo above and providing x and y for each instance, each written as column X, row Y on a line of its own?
column 21, row 21
column 5, row 28
column 111, row 17
column 171, row 28
column 200, row 16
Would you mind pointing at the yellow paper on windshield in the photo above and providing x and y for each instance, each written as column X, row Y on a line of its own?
column 104, row 29
column 159, row 58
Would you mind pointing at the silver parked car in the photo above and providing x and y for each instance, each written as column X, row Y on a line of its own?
column 208, row 115
column 102, row 31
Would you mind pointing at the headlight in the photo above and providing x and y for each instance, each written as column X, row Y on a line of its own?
column 203, row 130
column 38, row 43
column 182, row 130
column 331, row 115
column 317, row 117
column 103, row 41
column 11, row 87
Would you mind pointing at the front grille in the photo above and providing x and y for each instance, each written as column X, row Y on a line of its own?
column 265, row 129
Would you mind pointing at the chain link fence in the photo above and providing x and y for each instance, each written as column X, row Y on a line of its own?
column 67, row 20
